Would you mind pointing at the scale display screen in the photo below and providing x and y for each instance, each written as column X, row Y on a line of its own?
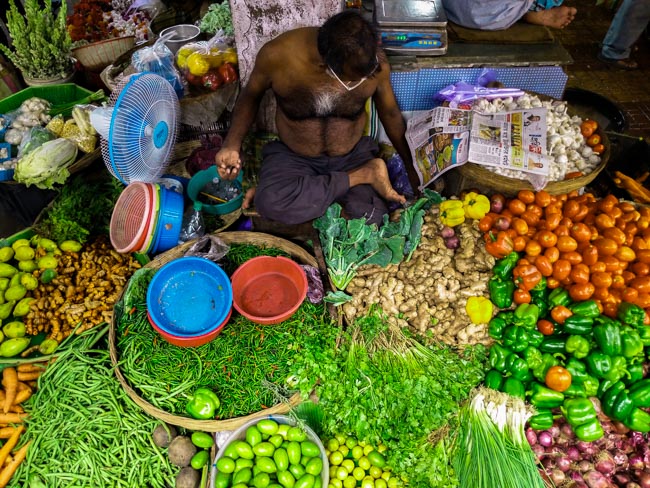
column 412, row 40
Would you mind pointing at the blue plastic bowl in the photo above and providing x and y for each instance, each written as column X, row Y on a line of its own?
column 189, row 297
column 170, row 220
column 202, row 178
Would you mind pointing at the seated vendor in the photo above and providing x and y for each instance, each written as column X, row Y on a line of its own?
column 321, row 79
column 501, row 14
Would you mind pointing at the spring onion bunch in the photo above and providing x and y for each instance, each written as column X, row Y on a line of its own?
column 491, row 447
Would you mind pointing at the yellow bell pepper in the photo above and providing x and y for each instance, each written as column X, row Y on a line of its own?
column 452, row 213
column 197, row 64
column 479, row 310
column 476, row 205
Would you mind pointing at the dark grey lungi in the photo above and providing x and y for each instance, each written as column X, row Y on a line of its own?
column 294, row 189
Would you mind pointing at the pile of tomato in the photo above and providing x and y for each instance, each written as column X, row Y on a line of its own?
column 588, row 129
column 595, row 248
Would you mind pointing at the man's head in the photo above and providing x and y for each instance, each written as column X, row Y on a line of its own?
column 348, row 45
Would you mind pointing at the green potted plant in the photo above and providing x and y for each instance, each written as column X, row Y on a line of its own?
column 41, row 42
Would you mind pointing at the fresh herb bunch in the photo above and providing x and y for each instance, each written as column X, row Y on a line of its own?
column 218, row 17
column 82, row 209
column 384, row 387
column 41, row 43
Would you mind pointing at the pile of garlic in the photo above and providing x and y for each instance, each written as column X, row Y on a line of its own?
column 565, row 145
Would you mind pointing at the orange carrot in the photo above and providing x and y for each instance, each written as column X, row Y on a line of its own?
column 9, row 445
column 12, row 418
column 9, row 470
column 23, row 386
column 5, row 432
column 31, row 368
column 10, row 383
column 29, row 376
column 22, row 396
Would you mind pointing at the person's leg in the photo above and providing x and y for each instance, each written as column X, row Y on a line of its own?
column 556, row 17
column 626, row 27
column 363, row 202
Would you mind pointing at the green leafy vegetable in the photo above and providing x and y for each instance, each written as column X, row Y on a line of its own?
column 218, row 17
column 47, row 164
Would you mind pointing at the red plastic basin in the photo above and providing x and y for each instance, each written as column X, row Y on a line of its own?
column 195, row 341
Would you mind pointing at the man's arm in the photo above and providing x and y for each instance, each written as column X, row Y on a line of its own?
column 393, row 122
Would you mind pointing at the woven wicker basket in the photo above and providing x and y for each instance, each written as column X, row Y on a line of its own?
column 254, row 238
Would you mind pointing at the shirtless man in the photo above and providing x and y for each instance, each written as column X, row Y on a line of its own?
column 321, row 79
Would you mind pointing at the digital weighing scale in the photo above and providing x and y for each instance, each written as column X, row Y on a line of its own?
column 416, row 27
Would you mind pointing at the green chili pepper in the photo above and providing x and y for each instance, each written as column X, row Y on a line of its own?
column 533, row 357
column 548, row 360
column 512, row 386
column 518, row 368
column 501, row 291
column 578, row 325
column 203, row 404
column 640, row 393
column 496, row 327
column 493, row 379
column 526, row 315
column 575, row 390
column 543, row 420
column 630, row 314
column 515, row 338
column 578, row 411
column 588, row 308
column 590, row 431
column 578, row 346
column 498, row 355
column 559, row 296
column 503, row 267
column 543, row 397
column 631, row 344
column 608, row 338
column 553, row 345
column 638, row 420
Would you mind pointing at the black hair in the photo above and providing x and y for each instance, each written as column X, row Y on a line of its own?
column 347, row 39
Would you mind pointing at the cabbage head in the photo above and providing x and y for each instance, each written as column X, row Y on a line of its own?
column 47, row 164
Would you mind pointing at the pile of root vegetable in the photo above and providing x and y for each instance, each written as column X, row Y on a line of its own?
column 429, row 292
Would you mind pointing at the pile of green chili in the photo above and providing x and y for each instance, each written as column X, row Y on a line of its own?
column 86, row 431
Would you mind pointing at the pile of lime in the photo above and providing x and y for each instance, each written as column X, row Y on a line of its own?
column 272, row 456
column 357, row 464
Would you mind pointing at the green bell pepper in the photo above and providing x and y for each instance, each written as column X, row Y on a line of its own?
column 553, row 345
column 644, row 334
column 631, row 344
column 501, row 291
column 543, row 420
column 590, row 384
column 578, row 346
column 535, row 338
column 635, row 371
column 638, row 420
column 590, row 431
column 578, row 325
column 515, row 338
column 616, row 402
column 543, row 397
column 503, row 267
column 588, row 308
column 548, row 360
column 559, row 296
column 493, row 379
column 514, row 387
column 496, row 327
column 578, row 411
column 518, row 368
column 497, row 357
column 630, row 314
column 604, row 386
column 575, row 390
column 608, row 338
column 541, row 304
column 639, row 392
column 533, row 357
column 540, row 286
column 203, row 404
column 577, row 369
column 526, row 315
column 606, row 367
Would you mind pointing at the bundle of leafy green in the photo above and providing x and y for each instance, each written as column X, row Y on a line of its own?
column 82, row 209
column 349, row 244
column 218, row 17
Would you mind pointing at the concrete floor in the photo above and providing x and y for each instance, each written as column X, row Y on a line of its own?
column 629, row 89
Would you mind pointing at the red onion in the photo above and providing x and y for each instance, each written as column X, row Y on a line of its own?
column 557, row 476
column 502, row 223
column 586, row 448
column 620, row 428
column 604, row 463
column 538, row 450
column 567, row 431
column 636, row 462
column 584, row 466
column 545, row 438
column 594, row 479
column 621, row 460
column 563, row 463
column 563, row 441
column 621, row 479
column 573, row 454
column 548, row 463
column 632, row 484
column 497, row 202
column 447, row 232
column 643, row 477
column 637, row 438
column 452, row 242
column 554, row 430
column 531, row 437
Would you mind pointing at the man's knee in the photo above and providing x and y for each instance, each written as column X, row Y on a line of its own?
column 271, row 205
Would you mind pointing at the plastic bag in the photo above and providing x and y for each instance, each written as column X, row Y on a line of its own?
column 463, row 94
column 217, row 250
column 35, row 137
column 203, row 157
column 192, row 226
column 315, row 289
column 208, row 64
column 398, row 176
column 159, row 59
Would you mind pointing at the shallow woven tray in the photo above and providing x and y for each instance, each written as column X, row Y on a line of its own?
column 254, row 238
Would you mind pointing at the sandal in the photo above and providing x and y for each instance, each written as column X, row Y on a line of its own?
column 626, row 64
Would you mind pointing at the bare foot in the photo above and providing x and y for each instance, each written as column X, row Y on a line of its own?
column 556, row 17
column 248, row 198
column 375, row 174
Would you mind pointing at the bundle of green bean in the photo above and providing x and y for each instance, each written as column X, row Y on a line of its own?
column 85, row 431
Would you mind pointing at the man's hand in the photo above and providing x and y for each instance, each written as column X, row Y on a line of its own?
column 248, row 198
column 228, row 163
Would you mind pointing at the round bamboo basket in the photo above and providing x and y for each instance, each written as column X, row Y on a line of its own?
column 254, row 238
column 510, row 186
